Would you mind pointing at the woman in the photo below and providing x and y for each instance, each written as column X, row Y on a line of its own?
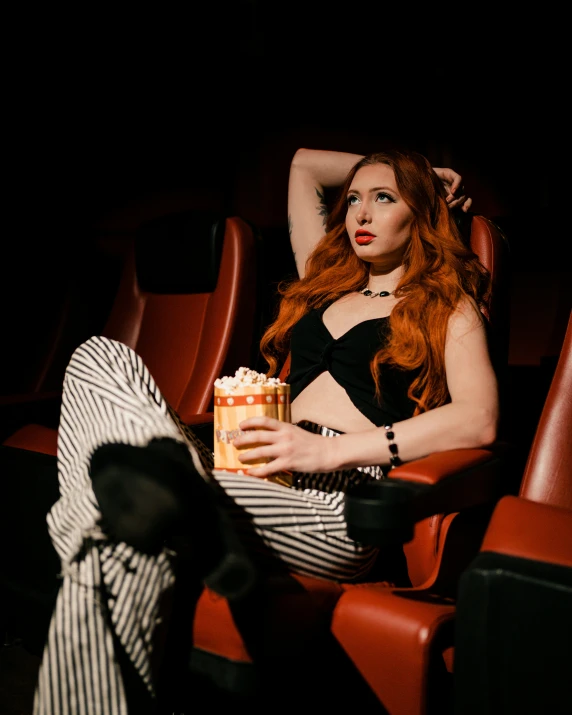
column 389, row 356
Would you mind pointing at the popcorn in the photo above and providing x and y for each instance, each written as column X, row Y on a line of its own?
column 245, row 376
column 246, row 394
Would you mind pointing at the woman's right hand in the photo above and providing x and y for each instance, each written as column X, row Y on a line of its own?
column 289, row 447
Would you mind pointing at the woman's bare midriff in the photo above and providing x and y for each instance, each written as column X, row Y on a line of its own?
column 326, row 402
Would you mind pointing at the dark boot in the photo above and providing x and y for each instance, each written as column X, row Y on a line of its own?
column 154, row 496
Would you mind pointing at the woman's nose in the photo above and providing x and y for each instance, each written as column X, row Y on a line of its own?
column 363, row 215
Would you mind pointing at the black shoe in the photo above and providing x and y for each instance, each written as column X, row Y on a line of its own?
column 155, row 495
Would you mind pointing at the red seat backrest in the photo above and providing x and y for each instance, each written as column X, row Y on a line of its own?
column 424, row 551
column 187, row 304
column 548, row 471
column 187, row 340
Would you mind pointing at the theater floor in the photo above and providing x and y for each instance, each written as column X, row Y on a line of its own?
column 18, row 670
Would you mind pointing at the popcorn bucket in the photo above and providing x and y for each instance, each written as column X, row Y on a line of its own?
column 230, row 408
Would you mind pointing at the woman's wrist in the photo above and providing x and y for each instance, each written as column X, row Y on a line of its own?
column 394, row 459
column 359, row 449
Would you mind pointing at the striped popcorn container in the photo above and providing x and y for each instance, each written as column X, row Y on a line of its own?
column 230, row 408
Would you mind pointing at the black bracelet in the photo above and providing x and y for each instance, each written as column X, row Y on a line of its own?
column 394, row 458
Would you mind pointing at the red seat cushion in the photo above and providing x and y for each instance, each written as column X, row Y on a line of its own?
column 291, row 610
column 35, row 438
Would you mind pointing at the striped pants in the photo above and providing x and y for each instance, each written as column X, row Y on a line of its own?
column 111, row 593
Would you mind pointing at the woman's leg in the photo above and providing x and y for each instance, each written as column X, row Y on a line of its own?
column 153, row 497
column 304, row 527
column 110, row 593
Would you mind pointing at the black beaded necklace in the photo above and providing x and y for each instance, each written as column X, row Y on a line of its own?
column 370, row 294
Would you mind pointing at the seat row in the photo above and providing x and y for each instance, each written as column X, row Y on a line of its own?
column 474, row 550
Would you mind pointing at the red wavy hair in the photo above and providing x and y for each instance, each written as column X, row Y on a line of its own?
column 439, row 271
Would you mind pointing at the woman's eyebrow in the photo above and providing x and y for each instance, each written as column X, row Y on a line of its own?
column 381, row 188
column 373, row 189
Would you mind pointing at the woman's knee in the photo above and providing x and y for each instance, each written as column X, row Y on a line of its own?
column 98, row 349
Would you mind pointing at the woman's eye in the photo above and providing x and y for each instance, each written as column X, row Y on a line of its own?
column 382, row 196
column 352, row 200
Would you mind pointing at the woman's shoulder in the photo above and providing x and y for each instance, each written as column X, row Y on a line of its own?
column 466, row 317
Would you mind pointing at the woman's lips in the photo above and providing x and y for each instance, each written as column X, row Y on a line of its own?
column 363, row 239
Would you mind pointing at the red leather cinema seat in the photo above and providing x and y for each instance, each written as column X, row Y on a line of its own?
column 505, row 637
column 513, row 636
column 187, row 303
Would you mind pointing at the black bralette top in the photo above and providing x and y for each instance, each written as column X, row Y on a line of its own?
column 314, row 350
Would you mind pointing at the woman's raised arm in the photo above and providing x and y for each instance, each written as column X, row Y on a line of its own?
column 312, row 171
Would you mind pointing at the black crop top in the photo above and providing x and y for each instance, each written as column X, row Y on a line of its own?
column 314, row 350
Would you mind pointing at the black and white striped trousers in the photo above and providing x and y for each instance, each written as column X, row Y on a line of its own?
column 112, row 593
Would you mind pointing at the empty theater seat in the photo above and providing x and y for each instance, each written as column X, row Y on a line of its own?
column 186, row 303
column 513, row 633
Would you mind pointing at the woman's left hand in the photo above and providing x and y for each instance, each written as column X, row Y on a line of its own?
column 453, row 184
column 289, row 447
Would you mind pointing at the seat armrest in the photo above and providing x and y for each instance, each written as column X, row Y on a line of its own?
column 440, row 466
column 385, row 512
column 19, row 410
column 509, row 531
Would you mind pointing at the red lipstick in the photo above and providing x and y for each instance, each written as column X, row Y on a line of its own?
column 363, row 237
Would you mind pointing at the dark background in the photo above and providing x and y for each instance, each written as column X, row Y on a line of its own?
column 114, row 118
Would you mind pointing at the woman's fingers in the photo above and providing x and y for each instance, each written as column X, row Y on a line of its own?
column 450, row 178
column 456, row 191
column 263, row 434
column 266, row 470
column 286, row 446
column 455, row 186
column 262, row 429
column 262, row 452
column 462, row 201
column 255, row 436
column 261, row 422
